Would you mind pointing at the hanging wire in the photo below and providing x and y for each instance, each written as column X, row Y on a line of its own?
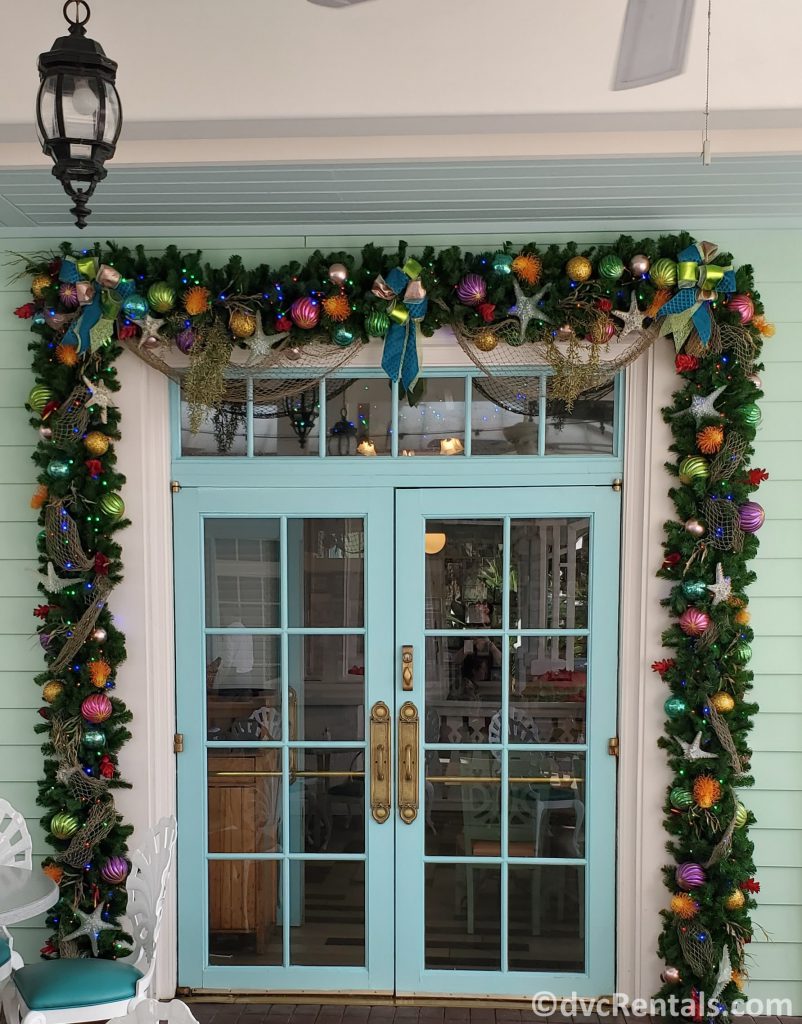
column 706, row 154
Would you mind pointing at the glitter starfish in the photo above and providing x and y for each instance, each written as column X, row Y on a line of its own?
column 150, row 328
column 693, row 751
column 632, row 320
column 722, row 588
column 261, row 344
column 526, row 308
column 702, row 407
column 99, row 395
column 53, row 583
column 91, row 925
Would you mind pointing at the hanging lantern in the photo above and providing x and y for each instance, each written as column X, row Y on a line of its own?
column 78, row 111
column 302, row 412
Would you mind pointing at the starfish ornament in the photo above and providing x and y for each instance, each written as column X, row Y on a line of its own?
column 53, row 584
column 526, row 308
column 99, row 395
column 693, row 751
column 724, row 975
column 150, row 328
column 632, row 320
column 261, row 344
column 702, row 407
column 91, row 925
column 722, row 588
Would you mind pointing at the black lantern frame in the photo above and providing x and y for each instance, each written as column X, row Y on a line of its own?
column 78, row 110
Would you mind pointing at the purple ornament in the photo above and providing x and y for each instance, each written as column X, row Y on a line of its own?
column 185, row 340
column 751, row 516
column 115, row 870
column 68, row 294
column 690, row 875
column 472, row 290
column 44, row 640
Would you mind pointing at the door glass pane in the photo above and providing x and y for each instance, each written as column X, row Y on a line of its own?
column 435, row 425
column 327, row 801
column 244, row 800
column 499, row 427
column 245, row 921
column 549, row 573
column 547, row 918
column 587, row 429
column 359, row 418
column 546, row 811
column 221, row 431
column 463, row 917
column 548, row 686
column 463, row 803
column 326, row 572
column 242, row 572
column 327, row 674
column 243, row 687
column 328, row 913
column 286, row 426
column 463, row 688
column 463, row 573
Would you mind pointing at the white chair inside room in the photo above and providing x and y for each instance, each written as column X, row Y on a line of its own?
column 68, row 991
column 15, row 852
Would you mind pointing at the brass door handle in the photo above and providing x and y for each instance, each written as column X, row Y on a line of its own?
column 407, row 667
column 379, row 755
column 408, row 799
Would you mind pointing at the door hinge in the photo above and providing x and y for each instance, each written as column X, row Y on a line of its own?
column 613, row 748
column 178, row 743
column 617, row 484
column 175, row 486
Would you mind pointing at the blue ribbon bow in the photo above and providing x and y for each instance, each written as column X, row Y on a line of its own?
column 690, row 306
column 401, row 359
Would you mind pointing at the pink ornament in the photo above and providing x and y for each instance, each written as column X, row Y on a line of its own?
column 694, row 622
column 743, row 306
column 97, row 708
column 58, row 321
column 68, row 296
column 751, row 516
column 690, row 876
column 185, row 340
column 305, row 313
column 115, row 870
column 472, row 290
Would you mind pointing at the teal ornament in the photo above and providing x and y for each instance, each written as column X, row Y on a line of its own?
column 694, row 588
column 343, row 336
column 94, row 739
column 135, row 307
column 751, row 414
column 675, row 707
column 38, row 319
column 611, row 267
column 502, row 263
column 57, row 469
column 680, row 798
column 742, row 652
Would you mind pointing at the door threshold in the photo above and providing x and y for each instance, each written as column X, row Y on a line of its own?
column 201, row 996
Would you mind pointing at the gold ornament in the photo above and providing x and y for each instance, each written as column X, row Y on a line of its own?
column 52, row 690
column 242, row 324
column 742, row 617
column 67, row 355
column 527, row 267
column 735, row 900
column 337, row 308
column 40, row 284
column 684, row 906
column 710, row 439
column 579, row 268
column 196, row 300
column 706, row 791
column 486, row 341
column 96, row 443
column 723, row 701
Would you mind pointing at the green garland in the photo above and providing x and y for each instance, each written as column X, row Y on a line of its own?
column 718, row 338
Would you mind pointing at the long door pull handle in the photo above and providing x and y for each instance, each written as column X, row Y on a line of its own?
column 408, row 799
column 379, row 754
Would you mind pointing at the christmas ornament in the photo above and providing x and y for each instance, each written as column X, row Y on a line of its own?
column 693, row 467
column 502, row 264
column 196, row 300
column 751, row 415
column 766, row 329
column 675, row 707
column 106, row 767
column 741, row 815
column 485, row 341
column 680, row 798
column 68, row 296
column 91, row 926
column 38, row 397
column 710, row 439
column 58, row 469
column 706, row 791
column 343, row 336
column 135, row 307
column 671, row 976
column 96, row 443
column 632, row 320
column 742, row 653
column 99, row 672
column 67, row 355
column 241, row 323
column 52, row 690
column 45, row 640
column 94, row 739
column 293, row 353
column 338, row 274
column 337, row 308
column 527, row 267
column 611, row 267
column 735, row 900
column 751, row 516
column 377, row 324
column 684, row 906
column 161, row 297
column 305, row 313
column 694, row 622
column 96, row 708
column 526, row 308
column 579, row 269
column 149, row 327
column 663, row 666
column 757, row 476
column 471, row 290
column 683, row 363
column 115, row 870
column 40, row 285
column 664, row 273
column 283, row 324
column 723, row 702
column 54, row 872
column 100, row 396
column 99, row 635
column 743, row 306
column 722, row 588
column 750, row 885
column 742, row 617
column 694, row 527
column 26, row 311
column 754, row 378
column 113, row 506
column 694, row 588
column 57, row 321
column 54, row 585
column 184, row 340
column 45, row 433
column 693, row 751
column 63, row 825
column 639, row 265
column 690, row 875
column 702, row 407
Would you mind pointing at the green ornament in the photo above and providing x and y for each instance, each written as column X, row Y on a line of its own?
column 694, row 588
column 611, row 267
column 742, row 652
column 502, row 263
column 377, row 324
column 63, row 825
column 161, row 297
column 741, row 815
column 694, row 467
column 343, row 336
column 113, row 506
column 675, row 707
column 680, row 798
column 664, row 273
column 57, row 469
column 751, row 414
column 94, row 739
column 39, row 397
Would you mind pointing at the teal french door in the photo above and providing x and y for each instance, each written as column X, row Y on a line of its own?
column 395, row 706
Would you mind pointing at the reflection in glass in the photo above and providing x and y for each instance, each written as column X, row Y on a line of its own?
column 463, row 917
column 243, row 687
column 587, row 429
column 328, row 676
column 326, row 572
column 463, row 688
column 242, row 572
column 331, row 924
column 362, row 413
column 245, row 912
column 286, row 426
column 546, row 907
column 221, row 432
column 463, row 803
column 439, row 415
column 546, row 803
column 464, row 577
column 244, row 807
column 327, row 801
column 495, row 429
column 548, row 682
column 549, row 573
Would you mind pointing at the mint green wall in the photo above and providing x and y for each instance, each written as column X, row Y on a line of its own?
column 776, row 600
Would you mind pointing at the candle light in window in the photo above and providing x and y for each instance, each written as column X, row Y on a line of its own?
column 434, row 543
column 451, row 446
column 407, row 451
column 366, row 448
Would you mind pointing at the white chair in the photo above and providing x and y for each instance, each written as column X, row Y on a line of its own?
column 15, row 852
column 68, row 991
column 151, row 1011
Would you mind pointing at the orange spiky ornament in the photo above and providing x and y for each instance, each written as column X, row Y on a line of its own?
column 766, row 329
column 39, row 496
column 527, row 267
column 67, row 355
column 684, row 906
column 706, row 791
column 337, row 308
column 196, row 300
column 99, row 672
column 710, row 439
column 660, row 298
column 54, row 871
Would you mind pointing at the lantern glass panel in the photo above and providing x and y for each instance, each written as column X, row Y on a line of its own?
column 81, row 106
column 47, row 110
column 113, row 114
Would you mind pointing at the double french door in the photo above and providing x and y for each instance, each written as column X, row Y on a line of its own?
column 396, row 705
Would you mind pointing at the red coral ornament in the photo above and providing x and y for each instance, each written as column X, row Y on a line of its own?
column 750, row 885
column 126, row 331
column 25, row 312
column 685, row 363
column 663, row 666
column 106, row 767
column 102, row 564
column 94, row 467
column 671, row 559
column 487, row 311
column 41, row 611
column 757, row 476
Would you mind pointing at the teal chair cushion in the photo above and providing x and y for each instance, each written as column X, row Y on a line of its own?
column 5, row 952
column 57, row 984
